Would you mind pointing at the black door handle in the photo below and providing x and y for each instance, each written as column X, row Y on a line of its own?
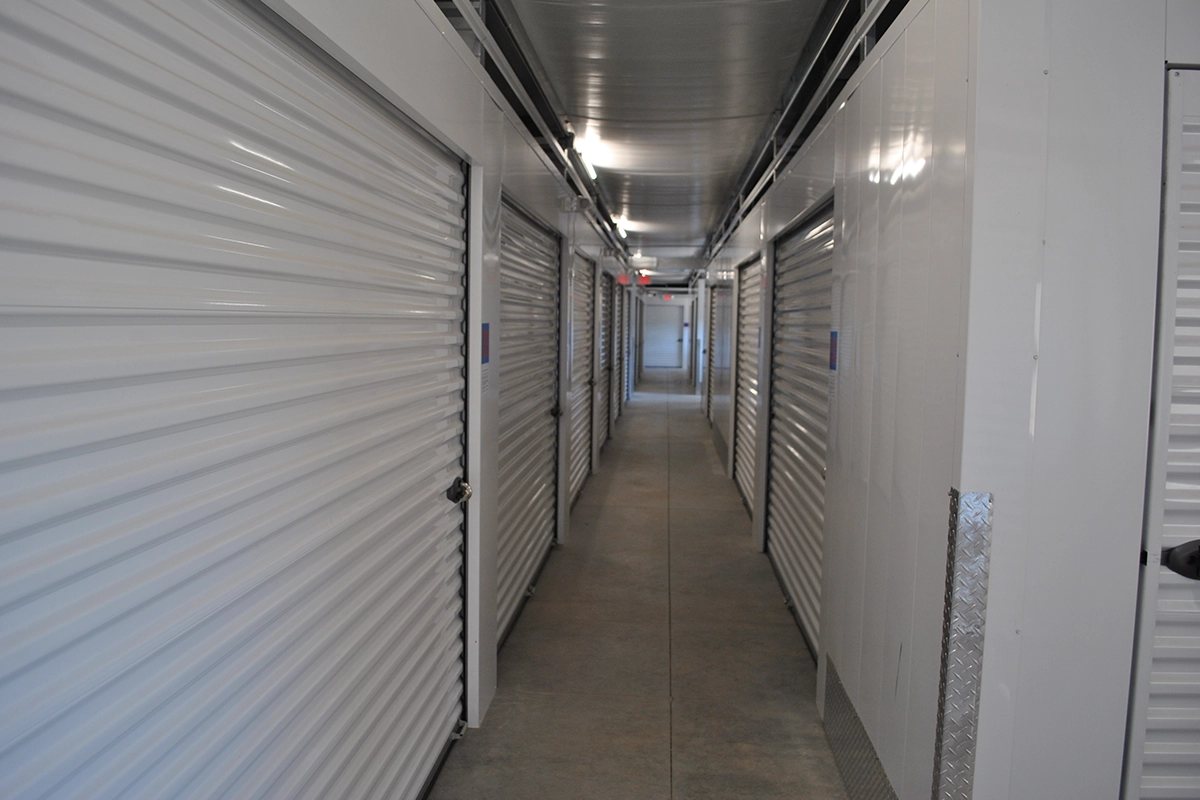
column 1183, row 559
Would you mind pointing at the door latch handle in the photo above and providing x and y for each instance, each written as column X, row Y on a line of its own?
column 459, row 491
column 1183, row 559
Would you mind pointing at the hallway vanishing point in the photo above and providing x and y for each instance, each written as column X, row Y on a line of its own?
column 656, row 658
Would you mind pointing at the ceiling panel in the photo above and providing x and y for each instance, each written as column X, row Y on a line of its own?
column 668, row 97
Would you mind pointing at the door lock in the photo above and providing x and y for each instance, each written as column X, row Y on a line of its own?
column 1183, row 559
column 459, row 491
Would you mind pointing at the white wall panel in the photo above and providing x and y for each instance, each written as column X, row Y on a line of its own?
column 1183, row 32
column 807, row 181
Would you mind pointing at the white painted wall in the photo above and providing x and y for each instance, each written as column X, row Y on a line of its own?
column 1029, row 231
column 1064, row 251
column 409, row 53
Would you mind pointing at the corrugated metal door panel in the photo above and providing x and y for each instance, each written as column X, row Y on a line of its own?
column 746, row 392
column 709, row 341
column 799, row 415
column 231, row 408
column 583, row 280
column 604, row 373
column 528, row 394
column 618, row 387
column 630, row 359
column 1164, row 757
column 664, row 336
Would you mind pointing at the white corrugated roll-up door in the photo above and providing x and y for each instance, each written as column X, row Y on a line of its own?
column 618, row 387
column 749, row 316
column 230, row 412
column 630, row 358
column 799, row 415
column 709, row 354
column 604, row 371
column 579, row 398
column 528, row 356
column 1163, row 757
column 664, row 336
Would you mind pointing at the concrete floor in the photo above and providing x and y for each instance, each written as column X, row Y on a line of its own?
column 656, row 658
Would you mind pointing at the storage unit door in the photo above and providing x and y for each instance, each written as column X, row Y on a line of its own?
column 799, row 413
column 710, row 354
column 528, row 360
column 630, row 358
column 664, row 336
column 1163, row 760
column 746, row 390
column 604, row 374
column 618, row 387
column 230, row 413
column 579, row 399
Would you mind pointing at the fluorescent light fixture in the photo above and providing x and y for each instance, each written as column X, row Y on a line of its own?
column 621, row 223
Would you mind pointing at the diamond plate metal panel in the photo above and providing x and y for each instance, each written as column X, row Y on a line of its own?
column 967, row 549
column 856, row 759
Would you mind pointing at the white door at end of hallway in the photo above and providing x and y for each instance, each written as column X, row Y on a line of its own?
column 663, row 337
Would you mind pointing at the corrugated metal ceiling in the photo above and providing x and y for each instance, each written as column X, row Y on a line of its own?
column 667, row 99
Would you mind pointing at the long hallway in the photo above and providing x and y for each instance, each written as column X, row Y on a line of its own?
column 656, row 658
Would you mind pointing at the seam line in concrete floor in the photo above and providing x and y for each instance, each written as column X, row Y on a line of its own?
column 598, row 699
